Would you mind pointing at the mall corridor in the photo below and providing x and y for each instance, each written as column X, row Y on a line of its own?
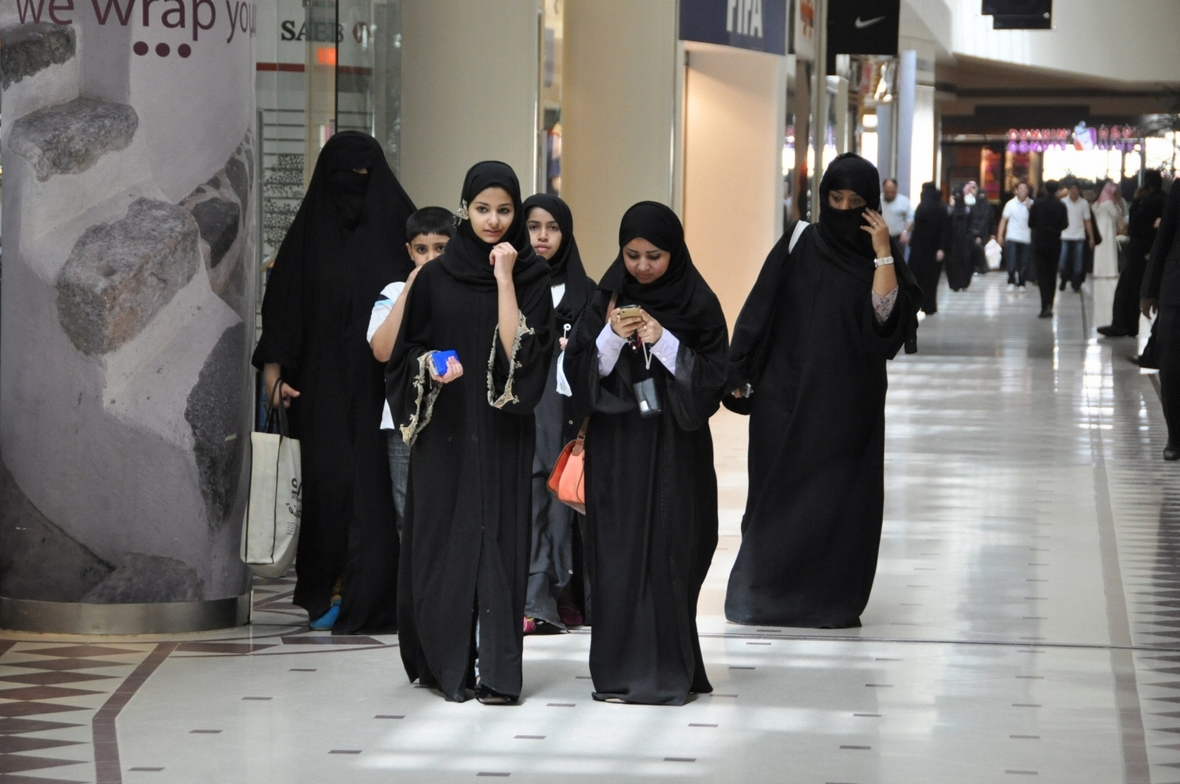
column 1025, row 623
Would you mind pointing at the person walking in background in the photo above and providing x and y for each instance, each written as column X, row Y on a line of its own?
column 981, row 225
column 1146, row 210
column 929, row 240
column 429, row 230
column 1109, row 219
column 960, row 261
column 556, row 545
column 1078, row 233
column 897, row 212
column 647, row 364
column 832, row 304
column 1161, row 294
column 1016, row 237
column 464, row 566
column 1047, row 218
column 347, row 242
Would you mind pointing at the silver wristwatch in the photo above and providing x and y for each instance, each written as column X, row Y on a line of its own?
column 883, row 262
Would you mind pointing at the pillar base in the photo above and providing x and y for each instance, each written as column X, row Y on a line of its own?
column 28, row 615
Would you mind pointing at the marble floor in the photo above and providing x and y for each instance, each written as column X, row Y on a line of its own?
column 1025, row 623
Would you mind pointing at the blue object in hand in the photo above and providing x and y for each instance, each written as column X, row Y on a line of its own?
column 440, row 360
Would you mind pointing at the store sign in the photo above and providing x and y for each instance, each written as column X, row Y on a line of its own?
column 190, row 17
column 758, row 25
column 1080, row 137
column 803, row 30
column 863, row 26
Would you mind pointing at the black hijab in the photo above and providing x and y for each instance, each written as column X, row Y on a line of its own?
column 930, row 204
column 566, row 265
column 466, row 258
column 680, row 299
column 347, row 242
column 841, row 230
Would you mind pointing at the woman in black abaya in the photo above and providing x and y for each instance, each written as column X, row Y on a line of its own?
column 465, row 541
column 556, row 547
column 960, row 260
column 347, row 242
column 808, row 365
column 651, row 490
column 928, row 243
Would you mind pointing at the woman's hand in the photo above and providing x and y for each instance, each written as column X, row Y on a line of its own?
column 625, row 327
column 650, row 332
column 454, row 370
column 562, row 343
column 1149, row 306
column 878, row 229
column 503, row 259
column 939, row 256
column 285, row 393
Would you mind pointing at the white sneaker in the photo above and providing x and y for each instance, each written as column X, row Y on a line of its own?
column 1011, row 287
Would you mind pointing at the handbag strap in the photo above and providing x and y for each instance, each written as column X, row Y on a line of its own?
column 276, row 414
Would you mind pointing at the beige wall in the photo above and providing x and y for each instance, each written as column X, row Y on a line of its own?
column 619, row 108
column 469, row 93
column 733, row 190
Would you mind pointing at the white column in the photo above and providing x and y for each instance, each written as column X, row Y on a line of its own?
column 907, row 79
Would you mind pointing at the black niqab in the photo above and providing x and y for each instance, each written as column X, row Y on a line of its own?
column 680, row 299
column 843, row 230
column 346, row 244
column 566, row 265
column 466, row 258
column 930, row 202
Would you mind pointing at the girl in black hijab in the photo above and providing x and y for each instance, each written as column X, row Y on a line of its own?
column 556, row 575
column 833, row 302
column 347, row 242
column 465, row 540
column 649, row 383
column 928, row 244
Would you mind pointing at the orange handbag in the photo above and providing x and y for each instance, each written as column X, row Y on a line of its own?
column 568, row 480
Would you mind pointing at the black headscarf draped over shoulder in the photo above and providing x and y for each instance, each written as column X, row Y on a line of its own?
column 931, row 202
column 466, row 258
column 566, row 265
column 680, row 299
column 347, row 242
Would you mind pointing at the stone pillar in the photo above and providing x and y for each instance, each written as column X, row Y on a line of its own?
column 127, row 313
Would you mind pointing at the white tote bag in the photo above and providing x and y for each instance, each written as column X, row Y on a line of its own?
column 271, row 532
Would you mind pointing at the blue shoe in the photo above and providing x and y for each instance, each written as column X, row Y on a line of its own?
column 327, row 620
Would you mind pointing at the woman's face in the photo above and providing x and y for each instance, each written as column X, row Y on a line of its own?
column 645, row 261
column 491, row 213
column 544, row 233
column 845, row 200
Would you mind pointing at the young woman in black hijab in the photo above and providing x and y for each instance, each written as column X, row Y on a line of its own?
column 808, row 366
column 465, row 539
column 960, row 261
column 929, row 241
column 649, row 382
column 556, row 549
column 346, row 243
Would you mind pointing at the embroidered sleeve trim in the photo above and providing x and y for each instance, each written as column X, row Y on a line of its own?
column 522, row 329
column 428, row 390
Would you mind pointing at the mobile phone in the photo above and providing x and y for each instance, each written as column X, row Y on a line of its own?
column 628, row 311
column 440, row 360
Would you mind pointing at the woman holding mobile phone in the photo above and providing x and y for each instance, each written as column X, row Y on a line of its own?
column 647, row 363
column 465, row 543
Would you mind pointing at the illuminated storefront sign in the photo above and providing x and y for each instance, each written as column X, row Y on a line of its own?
column 1081, row 137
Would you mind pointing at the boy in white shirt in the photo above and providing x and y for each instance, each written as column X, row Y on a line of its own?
column 1016, row 237
column 1076, row 236
column 429, row 230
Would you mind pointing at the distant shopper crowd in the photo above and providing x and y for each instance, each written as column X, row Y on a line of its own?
column 441, row 366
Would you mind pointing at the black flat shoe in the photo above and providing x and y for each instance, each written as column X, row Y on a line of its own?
column 1171, row 453
column 1046, row 314
column 1064, row 283
column 488, row 696
column 1111, row 331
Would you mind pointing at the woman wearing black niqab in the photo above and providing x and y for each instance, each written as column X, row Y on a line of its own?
column 556, row 578
column 960, row 261
column 346, row 243
column 465, row 540
column 808, row 360
column 651, row 490
column 929, row 241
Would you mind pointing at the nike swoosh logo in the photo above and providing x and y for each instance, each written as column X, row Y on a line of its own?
column 863, row 23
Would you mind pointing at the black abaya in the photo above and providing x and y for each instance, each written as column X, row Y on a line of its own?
column 346, row 244
column 554, row 527
column 809, row 343
column 651, row 489
column 1141, row 231
column 465, row 541
column 931, row 234
column 1047, row 218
